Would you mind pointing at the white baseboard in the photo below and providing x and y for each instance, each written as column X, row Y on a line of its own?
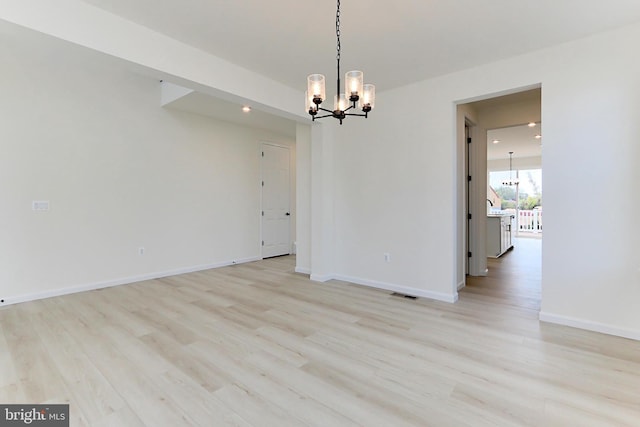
column 121, row 281
column 589, row 325
column 320, row 277
column 439, row 296
column 461, row 285
column 303, row 270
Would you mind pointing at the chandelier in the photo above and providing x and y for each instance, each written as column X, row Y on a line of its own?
column 511, row 181
column 358, row 92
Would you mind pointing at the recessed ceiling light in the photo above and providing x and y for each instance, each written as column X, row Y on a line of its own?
column 538, row 136
column 495, row 141
column 246, row 109
column 531, row 124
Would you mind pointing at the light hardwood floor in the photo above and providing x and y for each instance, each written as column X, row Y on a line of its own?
column 258, row 345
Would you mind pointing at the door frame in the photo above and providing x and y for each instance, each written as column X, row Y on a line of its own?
column 467, row 199
column 478, row 166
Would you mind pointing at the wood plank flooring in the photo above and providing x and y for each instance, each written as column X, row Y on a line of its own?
column 514, row 278
column 258, row 345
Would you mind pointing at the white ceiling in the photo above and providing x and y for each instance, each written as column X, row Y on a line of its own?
column 206, row 105
column 519, row 139
column 394, row 43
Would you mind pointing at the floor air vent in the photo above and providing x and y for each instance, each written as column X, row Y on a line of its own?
column 397, row 294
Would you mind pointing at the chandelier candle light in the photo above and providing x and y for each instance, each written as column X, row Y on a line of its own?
column 358, row 92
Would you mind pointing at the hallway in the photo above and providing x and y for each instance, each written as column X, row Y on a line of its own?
column 513, row 279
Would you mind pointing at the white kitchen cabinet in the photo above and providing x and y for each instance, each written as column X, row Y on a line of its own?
column 498, row 235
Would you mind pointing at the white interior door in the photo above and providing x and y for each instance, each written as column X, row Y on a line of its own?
column 276, row 213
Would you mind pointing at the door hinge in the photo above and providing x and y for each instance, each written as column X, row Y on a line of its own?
column 469, row 178
column 468, row 140
column 263, row 183
column 469, row 216
column 263, row 244
column 469, row 254
column 262, row 213
column 263, row 154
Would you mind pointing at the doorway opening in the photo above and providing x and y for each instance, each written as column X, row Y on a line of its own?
column 503, row 216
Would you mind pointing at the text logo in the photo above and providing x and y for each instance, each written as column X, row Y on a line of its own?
column 34, row 415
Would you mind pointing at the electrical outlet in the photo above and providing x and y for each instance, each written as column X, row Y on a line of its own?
column 387, row 257
column 141, row 251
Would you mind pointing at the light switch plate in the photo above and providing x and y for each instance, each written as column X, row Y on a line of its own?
column 40, row 205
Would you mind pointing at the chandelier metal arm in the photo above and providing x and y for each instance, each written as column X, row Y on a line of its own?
column 314, row 118
column 357, row 90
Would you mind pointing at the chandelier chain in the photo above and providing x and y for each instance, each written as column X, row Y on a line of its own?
column 338, row 31
column 338, row 47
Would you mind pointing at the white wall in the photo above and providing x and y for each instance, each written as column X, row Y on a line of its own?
column 394, row 193
column 396, row 184
column 590, row 111
column 322, row 207
column 120, row 172
column 303, row 198
column 86, row 25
